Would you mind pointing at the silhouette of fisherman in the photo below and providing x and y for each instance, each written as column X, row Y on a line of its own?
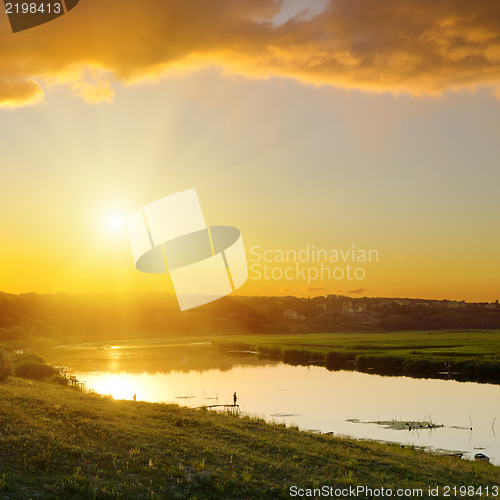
column 135, row 397
column 235, row 398
column 447, row 366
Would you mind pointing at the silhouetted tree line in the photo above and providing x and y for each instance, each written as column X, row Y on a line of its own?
column 96, row 317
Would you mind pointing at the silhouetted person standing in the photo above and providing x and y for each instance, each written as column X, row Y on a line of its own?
column 235, row 398
column 447, row 367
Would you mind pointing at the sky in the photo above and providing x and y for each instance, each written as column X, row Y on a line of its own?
column 336, row 124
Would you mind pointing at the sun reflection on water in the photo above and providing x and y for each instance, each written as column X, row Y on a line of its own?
column 145, row 386
column 117, row 385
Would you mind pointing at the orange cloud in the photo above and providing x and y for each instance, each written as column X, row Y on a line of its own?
column 413, row 46
column 16, row 93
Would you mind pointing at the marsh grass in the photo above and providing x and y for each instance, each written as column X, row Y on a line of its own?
column 474, row 355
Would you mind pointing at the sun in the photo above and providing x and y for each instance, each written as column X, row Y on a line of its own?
column 114, row 223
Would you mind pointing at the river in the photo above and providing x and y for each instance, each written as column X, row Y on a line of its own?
column 435, row 414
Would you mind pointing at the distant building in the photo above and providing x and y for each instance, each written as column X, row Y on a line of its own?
column 402, row 302
column 321, row 306
column 350, row 308
column 347, row 308
column 454, row 304
column 291, row 314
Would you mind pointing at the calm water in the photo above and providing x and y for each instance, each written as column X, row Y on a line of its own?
column 312, row 398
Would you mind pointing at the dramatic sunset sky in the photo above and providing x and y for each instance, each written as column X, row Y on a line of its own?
column 327, row 123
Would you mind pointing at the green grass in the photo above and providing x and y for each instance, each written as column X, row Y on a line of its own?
column 476, row 354
column 56, row 442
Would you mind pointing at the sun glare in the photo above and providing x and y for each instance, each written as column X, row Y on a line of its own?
column 114, row 223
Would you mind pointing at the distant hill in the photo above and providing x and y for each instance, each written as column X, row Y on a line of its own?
column 66, row 317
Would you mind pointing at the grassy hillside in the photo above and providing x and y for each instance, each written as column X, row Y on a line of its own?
column 56, row 442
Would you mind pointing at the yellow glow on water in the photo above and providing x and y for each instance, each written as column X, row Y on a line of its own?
column 157, row 387
column 116, row 385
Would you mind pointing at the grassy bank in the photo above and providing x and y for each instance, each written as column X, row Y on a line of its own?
column 56, row 442
column 474, row 355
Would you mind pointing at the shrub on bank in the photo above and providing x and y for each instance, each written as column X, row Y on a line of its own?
column 423, row 365
column 336, row 359
column 383, row 363
column 270, row 352
column 34, row 370
column 6, row 368
column 301, row 357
